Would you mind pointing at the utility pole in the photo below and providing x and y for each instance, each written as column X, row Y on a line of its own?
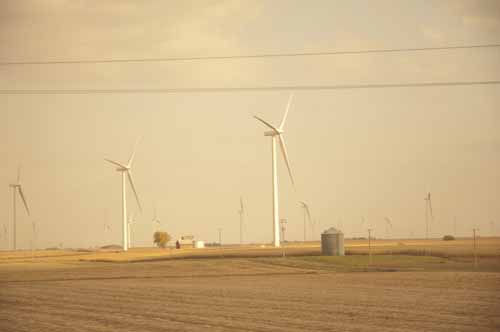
column 370, row 246
column 474, row 230
column 220, row 236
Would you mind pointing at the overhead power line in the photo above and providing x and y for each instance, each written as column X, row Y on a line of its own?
column 246, row 56
column 243, row 89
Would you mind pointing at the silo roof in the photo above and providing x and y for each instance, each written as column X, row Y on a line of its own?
column 332, row 230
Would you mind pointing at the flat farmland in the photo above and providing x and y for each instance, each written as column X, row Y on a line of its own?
column 460, row 249
column 249, row 294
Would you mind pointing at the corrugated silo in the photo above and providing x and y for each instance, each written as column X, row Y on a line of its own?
column 332, row 242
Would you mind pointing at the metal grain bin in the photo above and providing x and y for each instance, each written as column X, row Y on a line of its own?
column 332, row 242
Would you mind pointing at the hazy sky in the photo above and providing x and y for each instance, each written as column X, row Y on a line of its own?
column 363, row 152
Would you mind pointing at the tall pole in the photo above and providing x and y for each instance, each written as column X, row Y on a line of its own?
column 475, row 247
column 124, row 212
column 14, row 217
column 370, row 245
column 220, row 236
column 276, row 218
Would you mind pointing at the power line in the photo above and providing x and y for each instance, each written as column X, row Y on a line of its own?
column 246, row 56
column 243, row 89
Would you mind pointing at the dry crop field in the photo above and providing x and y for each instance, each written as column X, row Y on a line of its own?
column 247, row 289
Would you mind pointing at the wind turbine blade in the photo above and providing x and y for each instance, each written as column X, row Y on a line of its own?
column 267, row 124
column 115, row 163
column 24, row 199
column 282, row 124
column 129, row 175
column 285, row 155
column 131, row 159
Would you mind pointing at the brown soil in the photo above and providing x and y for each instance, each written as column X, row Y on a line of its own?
column 241, row 295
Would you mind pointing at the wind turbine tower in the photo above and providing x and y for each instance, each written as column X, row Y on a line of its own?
column 241, row 212
column 388, row 226
column 276, row 134
column 126, row 172
column 17, row 189
column 428, row 213
column 307, row 216
column 156, row 221
column 131, row 220
column 283, row 223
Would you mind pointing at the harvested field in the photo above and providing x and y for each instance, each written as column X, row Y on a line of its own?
column 260, row 294
column 250, row 289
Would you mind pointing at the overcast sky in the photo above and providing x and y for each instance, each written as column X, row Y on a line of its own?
column 371, row 153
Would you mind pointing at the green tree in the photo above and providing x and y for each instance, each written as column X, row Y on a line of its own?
column 160, row 239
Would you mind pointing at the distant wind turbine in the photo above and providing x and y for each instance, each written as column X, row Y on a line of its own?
column 277, row 133
column 388, row 225
column 428, row 213
column 126, row 171
column 33, row 225
column 17, row 188
column 156, row 221
column 241, row 212
column 307, row 216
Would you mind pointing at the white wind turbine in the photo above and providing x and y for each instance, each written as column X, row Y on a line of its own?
column 17, row 188
column 126, row 171
column 277, row 133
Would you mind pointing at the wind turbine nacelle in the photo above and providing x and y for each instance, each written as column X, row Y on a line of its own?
column 270, row 133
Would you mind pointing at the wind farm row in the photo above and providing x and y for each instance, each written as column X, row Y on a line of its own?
column 277, row 140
